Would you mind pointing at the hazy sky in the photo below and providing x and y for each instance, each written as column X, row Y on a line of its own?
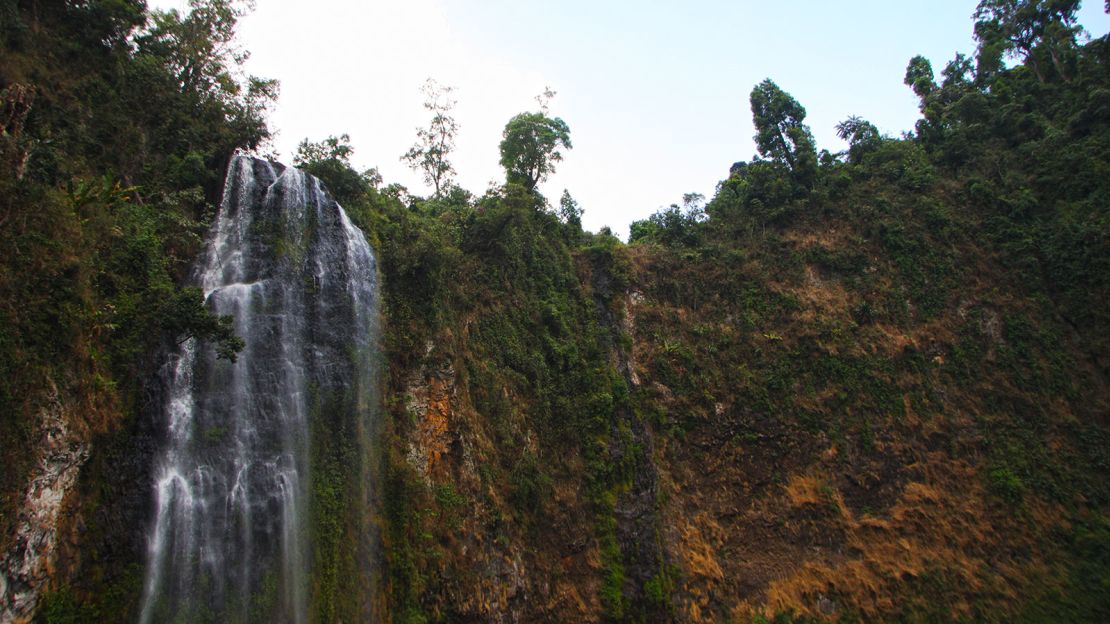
column 655, row 93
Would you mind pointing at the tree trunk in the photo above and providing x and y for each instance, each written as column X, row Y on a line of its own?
column 1058, row 64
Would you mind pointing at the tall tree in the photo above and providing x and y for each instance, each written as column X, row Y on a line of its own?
column 530, row 145
column 569, row 210
column 919, row 77
column 199, row 47
column 199, row 54
column 434, row 143
column 1040, row 32
column 780, row 134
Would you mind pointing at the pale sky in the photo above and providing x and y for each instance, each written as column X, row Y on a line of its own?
column 655, row 93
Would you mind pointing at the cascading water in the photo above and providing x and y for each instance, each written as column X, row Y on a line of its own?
column 230, row 538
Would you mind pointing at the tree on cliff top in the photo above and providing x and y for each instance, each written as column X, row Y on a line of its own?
column 530, row 145
column 435, row 142
column 780, row 134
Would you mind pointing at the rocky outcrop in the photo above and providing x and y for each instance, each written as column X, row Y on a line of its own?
column 445, row 446
column 26, row 567
column 429, row 394
column 632, row 444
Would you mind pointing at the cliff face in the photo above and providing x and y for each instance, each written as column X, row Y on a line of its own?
column 830, row 420
column 789, row 423
column 890, row 464
column 251, row 475
column 76, row 543
column 871, row 386
column 107, row 167
column 28, row 563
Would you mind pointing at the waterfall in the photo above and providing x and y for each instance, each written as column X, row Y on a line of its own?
column 230, row 539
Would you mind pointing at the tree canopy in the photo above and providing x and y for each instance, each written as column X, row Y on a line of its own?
column 530, row 147
column 330, row 160
column 436, row 142
column 780, row 134
column 1040, row 32
column 117, row 125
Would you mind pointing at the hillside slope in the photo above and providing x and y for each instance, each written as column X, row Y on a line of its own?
column 868, row 386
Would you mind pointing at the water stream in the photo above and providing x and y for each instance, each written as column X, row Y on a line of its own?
column 230, row 539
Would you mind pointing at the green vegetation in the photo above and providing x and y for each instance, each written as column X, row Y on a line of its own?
column 116, row 126
column 781, row 136
column 338, row 533
column 103, row 230
column 531, row 143
column 435, row 142
column 780, row 296
column 923, row 311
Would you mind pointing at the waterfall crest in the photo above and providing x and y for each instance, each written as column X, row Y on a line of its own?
column 230, row 540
